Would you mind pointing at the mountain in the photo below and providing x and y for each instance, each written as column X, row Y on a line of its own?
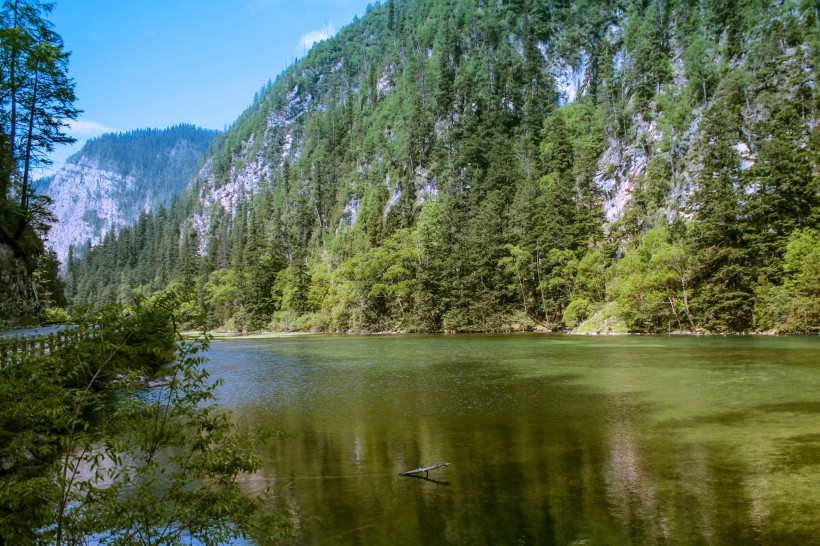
column 460, row 165
column 116, row 177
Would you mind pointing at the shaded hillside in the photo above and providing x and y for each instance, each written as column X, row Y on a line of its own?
column 116, row 177
column 461, row 165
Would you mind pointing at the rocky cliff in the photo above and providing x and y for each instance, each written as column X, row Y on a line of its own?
column 116, row 177
column 15, row 285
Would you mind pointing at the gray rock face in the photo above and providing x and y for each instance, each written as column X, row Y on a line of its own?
column 15, row 281
column 86, row 204
column 117, row 177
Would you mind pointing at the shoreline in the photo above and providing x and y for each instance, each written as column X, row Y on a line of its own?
column 272, row 334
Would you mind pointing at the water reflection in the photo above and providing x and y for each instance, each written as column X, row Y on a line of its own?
column 551, row 440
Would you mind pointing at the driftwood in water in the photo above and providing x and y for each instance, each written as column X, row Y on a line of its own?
column 425, row 469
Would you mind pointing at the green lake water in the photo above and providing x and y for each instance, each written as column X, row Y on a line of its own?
column 551, row 439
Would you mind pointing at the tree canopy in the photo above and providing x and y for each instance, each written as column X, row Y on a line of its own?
column 36, row 100
column 462, row 166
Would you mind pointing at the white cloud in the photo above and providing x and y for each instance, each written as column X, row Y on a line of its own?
column 306, row 41
column 82, row 129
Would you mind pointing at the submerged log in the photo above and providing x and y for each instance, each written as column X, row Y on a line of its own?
column 425, row 469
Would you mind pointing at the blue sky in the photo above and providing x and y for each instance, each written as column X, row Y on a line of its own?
column 156, row 63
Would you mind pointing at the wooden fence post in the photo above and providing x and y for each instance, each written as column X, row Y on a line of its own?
column 14, row 350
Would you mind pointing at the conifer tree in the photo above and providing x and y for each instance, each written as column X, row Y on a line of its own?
column 784, row 194
column 36, row 94
column 724, row 296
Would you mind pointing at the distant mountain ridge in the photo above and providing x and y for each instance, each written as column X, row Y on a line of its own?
column 117, row 176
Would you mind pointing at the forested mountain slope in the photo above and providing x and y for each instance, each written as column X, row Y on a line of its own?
column 117, row 176
column 468, row 165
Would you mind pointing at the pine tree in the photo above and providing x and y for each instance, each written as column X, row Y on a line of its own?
column 724, row 296
column 561, row 238
column 784, row 195
column 36, row 94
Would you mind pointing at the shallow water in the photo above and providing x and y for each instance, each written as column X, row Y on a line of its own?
column 551, row 439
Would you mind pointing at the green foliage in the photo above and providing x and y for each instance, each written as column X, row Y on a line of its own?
column 802, row 267
column 700, row 69
column 36, row 96
column 724, row 296
column 578, row 310
column 222, row 296
column 784, row 193
column 651, row 285
column 423, row 172
column 55, row 315
column 36, row 99
column 604, row 320
column 793, row 306
column 647, row 41
column 90, row 452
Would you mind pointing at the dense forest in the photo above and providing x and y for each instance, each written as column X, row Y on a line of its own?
column 464, row 165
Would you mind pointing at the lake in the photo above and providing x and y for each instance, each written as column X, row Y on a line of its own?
column 552, row 439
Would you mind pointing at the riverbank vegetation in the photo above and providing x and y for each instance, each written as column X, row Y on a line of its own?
column 112, row 435
column 117, row 439
column 453, row 166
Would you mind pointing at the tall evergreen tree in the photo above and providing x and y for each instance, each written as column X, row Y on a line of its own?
column 36, row 94
column 783, row 190
column 724, row 298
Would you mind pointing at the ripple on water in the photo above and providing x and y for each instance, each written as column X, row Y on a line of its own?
column 557, row 439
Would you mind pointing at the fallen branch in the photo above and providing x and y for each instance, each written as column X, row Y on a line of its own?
column 425, row 469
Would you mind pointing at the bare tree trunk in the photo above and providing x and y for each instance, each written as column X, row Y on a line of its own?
column 538, row 271
column 29, row 140
column 686, row 307
column 675, row 313
column 523, row 293
column 13, row 92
